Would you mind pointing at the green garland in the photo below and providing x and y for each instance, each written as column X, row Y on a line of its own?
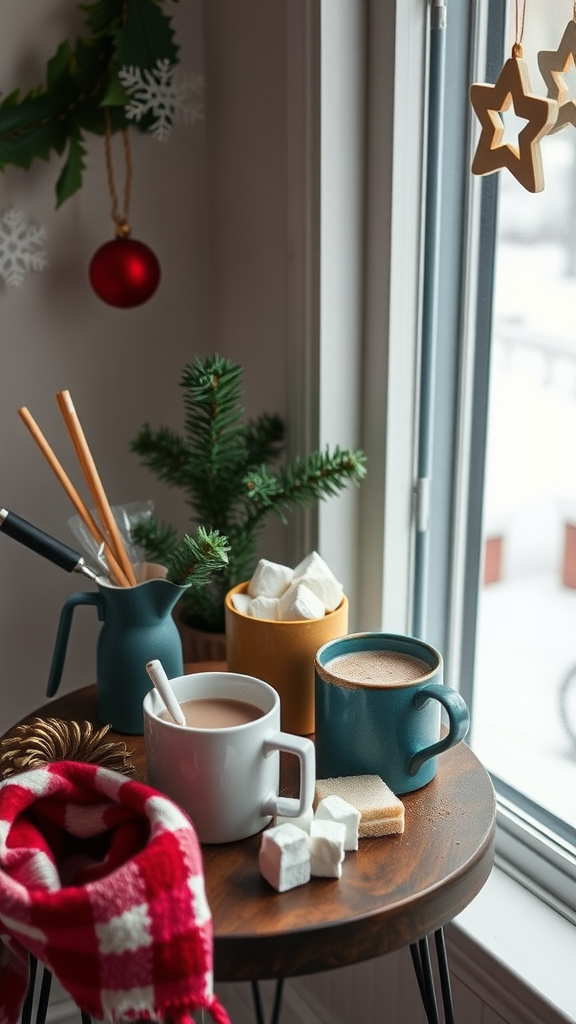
column 80, row 82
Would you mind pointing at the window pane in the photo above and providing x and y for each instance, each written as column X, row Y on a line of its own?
column 524, row 709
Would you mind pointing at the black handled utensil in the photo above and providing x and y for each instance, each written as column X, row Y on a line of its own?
column 43, row 544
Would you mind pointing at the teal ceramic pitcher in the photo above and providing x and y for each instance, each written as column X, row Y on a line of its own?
column 137, row 626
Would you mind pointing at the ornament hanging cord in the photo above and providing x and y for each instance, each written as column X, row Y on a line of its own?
column 120, row 220
column 519, row 33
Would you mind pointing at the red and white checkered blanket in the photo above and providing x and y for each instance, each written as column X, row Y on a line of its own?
column 101, row 879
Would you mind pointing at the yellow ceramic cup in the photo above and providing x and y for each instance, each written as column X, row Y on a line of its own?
column 282, row 654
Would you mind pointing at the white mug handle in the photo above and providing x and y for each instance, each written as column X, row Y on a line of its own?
column 306, row 753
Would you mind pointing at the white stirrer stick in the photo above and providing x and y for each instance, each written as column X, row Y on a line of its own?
column 155, row 670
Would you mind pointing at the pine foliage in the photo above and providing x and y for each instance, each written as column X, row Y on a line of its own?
column 82, row 81
column 195, row 559
column 229, row 470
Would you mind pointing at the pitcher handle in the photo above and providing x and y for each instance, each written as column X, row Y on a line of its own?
column 59, row 655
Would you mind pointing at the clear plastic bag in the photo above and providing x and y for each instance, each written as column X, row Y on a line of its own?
column 126, row 518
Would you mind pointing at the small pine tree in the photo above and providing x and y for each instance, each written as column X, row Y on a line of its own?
column 222, row 463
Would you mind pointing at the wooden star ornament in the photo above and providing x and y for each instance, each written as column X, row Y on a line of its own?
column 554, row 64
column 512, row 88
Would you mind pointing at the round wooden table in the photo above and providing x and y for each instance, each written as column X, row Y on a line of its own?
column 394, row 891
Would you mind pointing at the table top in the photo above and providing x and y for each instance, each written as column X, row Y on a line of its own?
column 393, row 890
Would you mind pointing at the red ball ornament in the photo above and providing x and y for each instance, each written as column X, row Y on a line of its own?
column 124, row 272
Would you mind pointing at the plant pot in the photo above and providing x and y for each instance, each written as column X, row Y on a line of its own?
column 198, row 644
column 282, row 654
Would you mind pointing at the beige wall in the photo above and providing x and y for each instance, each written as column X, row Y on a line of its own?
column 211, row 204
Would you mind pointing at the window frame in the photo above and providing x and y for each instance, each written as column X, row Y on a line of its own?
column 531, row 846
column 375, row 528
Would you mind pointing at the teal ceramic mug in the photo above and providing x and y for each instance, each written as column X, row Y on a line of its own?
column 378, row 709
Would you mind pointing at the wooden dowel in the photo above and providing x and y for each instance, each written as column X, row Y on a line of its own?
column 94, row 483
column 115, row 570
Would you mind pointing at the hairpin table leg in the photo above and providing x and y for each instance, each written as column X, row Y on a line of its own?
column 277, row 1006
column 27, row 1005
column 44, row 997
column 258, row 1011
column 415, row 954
column 277, row 1002
column 444, row 976
column 431, row 1004
column 423, row 969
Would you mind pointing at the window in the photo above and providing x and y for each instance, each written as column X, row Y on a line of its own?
column 524, row 650
column 527, row 602
column 506, row 462
column 480, row 221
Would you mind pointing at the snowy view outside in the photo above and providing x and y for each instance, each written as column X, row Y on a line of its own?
column 526, row 639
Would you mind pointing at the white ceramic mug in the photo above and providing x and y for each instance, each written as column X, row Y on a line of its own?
column 225, row 778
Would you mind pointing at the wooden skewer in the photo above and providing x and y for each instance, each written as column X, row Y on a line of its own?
column 94, row 483
column 116, row 571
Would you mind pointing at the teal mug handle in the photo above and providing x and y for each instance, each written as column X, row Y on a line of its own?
column 59, row 655
column 458, row 716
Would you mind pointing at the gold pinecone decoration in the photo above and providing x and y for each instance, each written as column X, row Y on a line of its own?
column 43, row 740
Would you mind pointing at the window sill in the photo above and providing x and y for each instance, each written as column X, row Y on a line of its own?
column 511, row 943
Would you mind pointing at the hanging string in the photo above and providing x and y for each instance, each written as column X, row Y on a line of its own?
column 520, row 17
column 120, row 220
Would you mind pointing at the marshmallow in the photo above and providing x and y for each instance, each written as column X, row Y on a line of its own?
column 326, row 846
column 284, row 859
column 269, row 579
column 299, row 602
column 303, row 821
column 242, row 603
column 315, row 573
column 263, row 608
column 313, row 562
column 329, row 590
column 335, row 808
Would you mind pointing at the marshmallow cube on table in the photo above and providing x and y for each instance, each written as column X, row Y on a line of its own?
column 326, row 846
column 269, row 579
column 381, row 812
column 334, row 808
column 303, row 821
column 284, row 858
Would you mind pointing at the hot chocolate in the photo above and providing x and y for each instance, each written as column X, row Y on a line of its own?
column 217, row 712
column 377, row 668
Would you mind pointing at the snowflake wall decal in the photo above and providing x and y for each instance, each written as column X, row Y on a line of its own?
column 20, row 248
column 158, row 91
